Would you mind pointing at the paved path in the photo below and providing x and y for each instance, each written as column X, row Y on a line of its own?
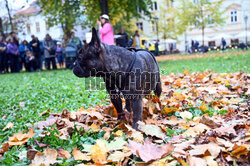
column 192, row 56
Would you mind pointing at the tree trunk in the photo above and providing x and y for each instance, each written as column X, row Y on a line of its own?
column 104, row 6
column 10, row 18
column 66, row 31
column 203, row 34
column 1, row 27
column 202, row 27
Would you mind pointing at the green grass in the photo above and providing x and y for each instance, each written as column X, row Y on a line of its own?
column 58, row 90
column 54, row 90
column 229, row 62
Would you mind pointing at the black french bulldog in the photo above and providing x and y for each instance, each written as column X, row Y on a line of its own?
column 128, row 74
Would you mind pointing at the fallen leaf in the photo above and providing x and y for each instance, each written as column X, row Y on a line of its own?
column 117, row 144
column 20, row 138
column 78, row 155
column 99, row 152
column 186, row 115
column 45, row 158
column 149, row 151
column 137, row 136
column 118, row 156
column 152, row 130
column 210, row 161
column 200, row 150
column 197, row 129
column 195, row 161
column 4, row 148
column 8, row 126
column 203, row 107
column 31, row 153
column 63, row 153
column 118, row 133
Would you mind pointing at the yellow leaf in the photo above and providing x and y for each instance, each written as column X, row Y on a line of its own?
column 203, row 107
column 168, row 110
column 118, row 133
column 99, row 152
column 186, row 72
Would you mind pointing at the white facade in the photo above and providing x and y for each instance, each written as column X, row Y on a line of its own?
column 35, row 23
column 233, row 30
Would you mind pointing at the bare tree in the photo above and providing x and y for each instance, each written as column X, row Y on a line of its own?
column 10, row 18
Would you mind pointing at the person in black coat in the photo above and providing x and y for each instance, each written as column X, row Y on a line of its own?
column 35, row 47
column 2, row 55
column 122, row 41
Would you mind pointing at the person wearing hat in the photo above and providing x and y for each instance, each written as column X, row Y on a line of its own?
column 106, row 30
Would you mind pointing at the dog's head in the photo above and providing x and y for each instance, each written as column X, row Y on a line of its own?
column 88, row 61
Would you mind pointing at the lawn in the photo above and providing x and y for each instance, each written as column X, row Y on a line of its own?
column 23, row 96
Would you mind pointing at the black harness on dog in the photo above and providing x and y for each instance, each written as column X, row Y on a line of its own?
column 133, row 50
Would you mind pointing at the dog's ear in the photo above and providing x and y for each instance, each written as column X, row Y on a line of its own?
column 95, row 41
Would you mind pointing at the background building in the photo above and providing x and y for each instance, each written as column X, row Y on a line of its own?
column 237, row 14
column 32, row 22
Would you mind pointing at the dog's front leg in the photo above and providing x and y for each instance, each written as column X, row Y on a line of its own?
column 137, row 111
column 114, row 97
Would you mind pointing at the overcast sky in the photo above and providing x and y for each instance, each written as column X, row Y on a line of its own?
column 13, row 4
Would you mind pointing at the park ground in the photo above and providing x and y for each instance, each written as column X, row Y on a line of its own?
column 24, row 96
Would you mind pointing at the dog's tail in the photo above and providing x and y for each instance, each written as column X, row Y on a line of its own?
column 158, row 88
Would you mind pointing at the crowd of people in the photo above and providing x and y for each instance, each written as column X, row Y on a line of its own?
column 16, row 55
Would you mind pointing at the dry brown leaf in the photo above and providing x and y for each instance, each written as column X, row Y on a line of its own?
column 20, row 138
column 78, row 155
column 118, row 156
column 63, row 153
column 197, row 129
column 49, row 122
column 226, row 130
column 31, row 153
column 195, row 161
column 200, row 150
column 149, row 151
column 45, row 158
column 4, row 148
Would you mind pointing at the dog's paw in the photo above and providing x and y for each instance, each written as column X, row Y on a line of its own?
column 135, row 126
column 121, row 116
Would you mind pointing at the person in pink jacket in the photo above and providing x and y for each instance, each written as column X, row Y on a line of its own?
column 106, row 30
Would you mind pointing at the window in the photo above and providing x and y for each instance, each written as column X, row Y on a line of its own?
column 140, row 25
column 37, row 27
column 28, row 27
column 154, row 6
column 234, row 16
column 234, row 41
column 47, row 26
column 211, row 43
column 138, row 9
